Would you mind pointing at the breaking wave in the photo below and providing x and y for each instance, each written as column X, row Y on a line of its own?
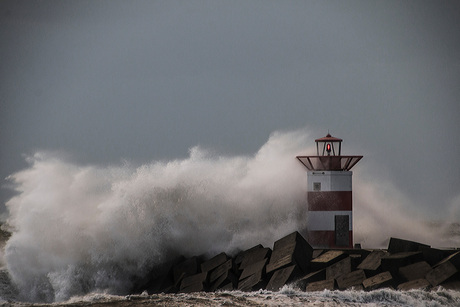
column 87, row 229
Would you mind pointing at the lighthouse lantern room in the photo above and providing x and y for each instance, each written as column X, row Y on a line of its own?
column 329, row 194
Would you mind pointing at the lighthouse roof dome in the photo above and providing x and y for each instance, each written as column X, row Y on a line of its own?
column 328, row 138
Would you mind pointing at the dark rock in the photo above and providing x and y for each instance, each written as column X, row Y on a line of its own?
column 310, row 277
column 221, row 270
column 185, row 268
column 226, row 281
column 256, row 268
column 253, row 282
column 193, row 283
column 393, row 262
column 292, row 249
column 254, row 256
column 339, row 268
column 399, row 246
column 378, row 281
column 433, row 255
column 420, row 283
column 213, row 262
column 373, row 261
column 281, row 277
column 321, row 285
column 454, row 259
column 240, row 256
column 326, row 259
column 452, row 285
column 415, row 271
column 316, row 253
column 441, row 273
column 351, row 279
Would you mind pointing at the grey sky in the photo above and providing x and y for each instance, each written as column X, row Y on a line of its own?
column 109, row 80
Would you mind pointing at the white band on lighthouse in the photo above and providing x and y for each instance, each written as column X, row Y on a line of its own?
column 329, row 181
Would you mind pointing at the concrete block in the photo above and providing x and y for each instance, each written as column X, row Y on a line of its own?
column 253, row 282
column 254, row 256
column 197, row 287
column 433, row 255
column 326, row 259
column 310, row 277
column 221, row 270
column 227, row 287
column 214, row 262
column 355, row 260
column 321, row 285
column 339, row 268
column 226, row 281
column 393, row 262
column 292, row 249
column 185, row 268
column 420, row 283
column 256, row 268
column 378, row 281
column 399, row 246
column 441, row 273
column 357, row 256
column 193, row 281
column 414, row 271
column 373, row 261
column 316, row 253
column 281, row 277
column 352, row 279
column 240, row 256
column 452, row 285
column 453, row 258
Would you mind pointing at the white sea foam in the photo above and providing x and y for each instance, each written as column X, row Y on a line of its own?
column 83, row 229
column 287, row 296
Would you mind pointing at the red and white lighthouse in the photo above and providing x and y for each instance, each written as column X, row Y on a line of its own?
column 329, row 194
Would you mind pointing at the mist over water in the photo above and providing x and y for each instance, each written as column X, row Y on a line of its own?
column 79, row 229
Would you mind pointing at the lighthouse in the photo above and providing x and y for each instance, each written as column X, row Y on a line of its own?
column 329, row 194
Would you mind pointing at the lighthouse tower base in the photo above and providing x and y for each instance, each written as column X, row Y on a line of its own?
column 329, row 219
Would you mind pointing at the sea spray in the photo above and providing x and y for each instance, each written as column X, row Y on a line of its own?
column 87, row 229
column 78, row 229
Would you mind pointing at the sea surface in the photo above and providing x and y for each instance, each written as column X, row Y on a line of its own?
column 287, row 296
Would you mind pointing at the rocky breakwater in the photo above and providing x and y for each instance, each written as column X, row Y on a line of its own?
column 404, row 265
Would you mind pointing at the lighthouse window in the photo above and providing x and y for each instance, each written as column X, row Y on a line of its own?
column 316, row 186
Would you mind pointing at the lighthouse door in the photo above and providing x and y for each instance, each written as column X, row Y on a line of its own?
column 342, row 234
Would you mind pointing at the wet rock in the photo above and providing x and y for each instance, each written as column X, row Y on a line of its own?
column 393, row 262
column 441, row 273
column 378, row 281
column 310, row 277
column 399, row 246
column 254, row 255
column 290, row 250
column 185, row 268
column 420, row 283
column 373, row 261
column 281, row 277
column 352, row 279
column 321, row 285
column 213, row 262
column 415, row 271
column 193, row 283
column 340, row 268
column 221, row 270
column 326, row 259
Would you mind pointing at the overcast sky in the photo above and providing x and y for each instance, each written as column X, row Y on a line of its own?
column 104, row 81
